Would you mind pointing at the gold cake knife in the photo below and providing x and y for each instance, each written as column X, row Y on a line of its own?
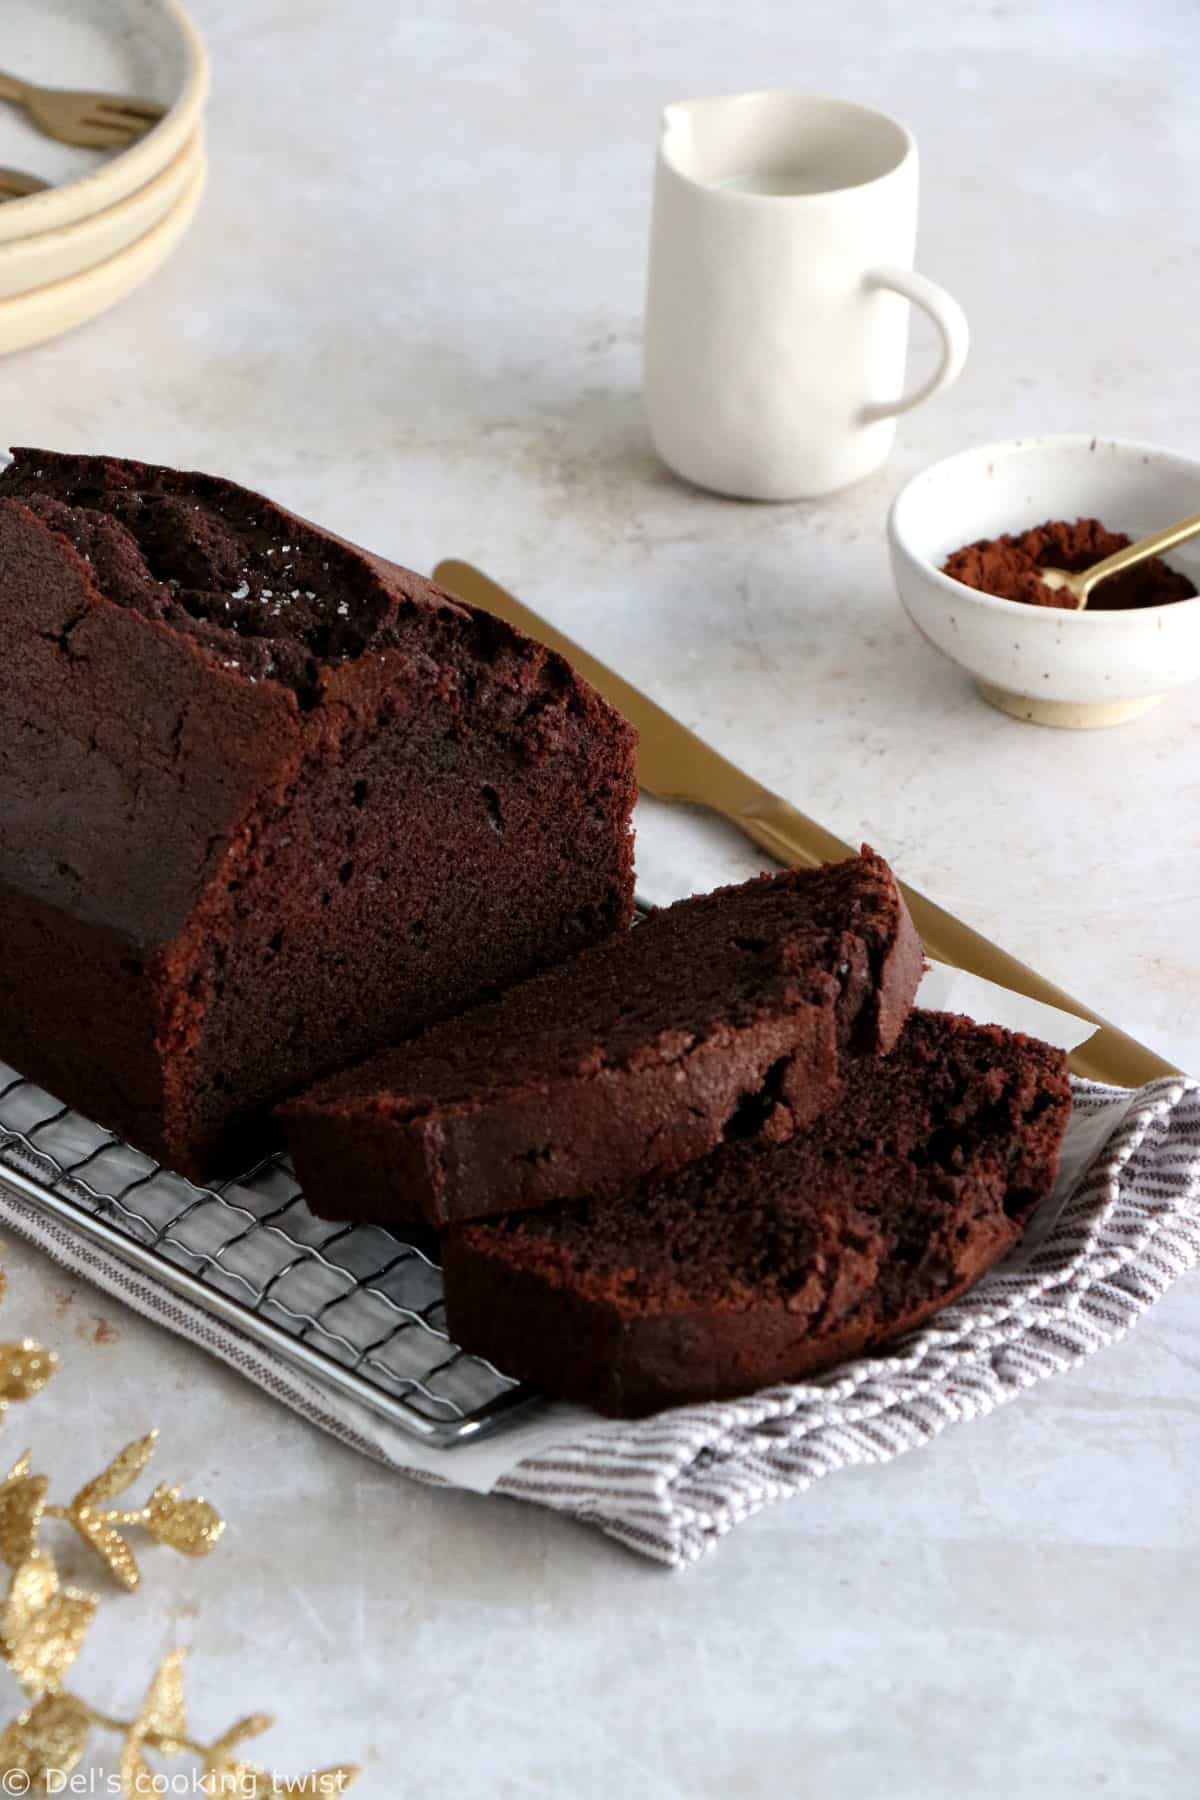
column 674, row 764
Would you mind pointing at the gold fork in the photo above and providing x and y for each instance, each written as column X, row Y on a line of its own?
column 15, row 184
column 75, row 116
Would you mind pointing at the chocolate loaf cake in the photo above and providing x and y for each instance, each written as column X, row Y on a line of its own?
column 733, row 1014
column 267, row 802
column 759, row 1265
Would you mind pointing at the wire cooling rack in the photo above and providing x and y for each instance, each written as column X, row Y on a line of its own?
column 356, row 1306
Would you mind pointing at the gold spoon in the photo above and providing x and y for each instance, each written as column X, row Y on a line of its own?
column 1082, row 583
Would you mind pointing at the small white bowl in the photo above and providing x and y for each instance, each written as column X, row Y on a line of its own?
column 1044, row 664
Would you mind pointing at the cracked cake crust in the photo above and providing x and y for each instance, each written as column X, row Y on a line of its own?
column 253, row 828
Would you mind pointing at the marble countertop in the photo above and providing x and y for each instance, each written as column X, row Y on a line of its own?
column 410, row 308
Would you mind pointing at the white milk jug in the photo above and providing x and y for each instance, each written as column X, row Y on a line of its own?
column 780, row 275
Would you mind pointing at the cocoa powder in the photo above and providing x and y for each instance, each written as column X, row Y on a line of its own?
column 1008, row 567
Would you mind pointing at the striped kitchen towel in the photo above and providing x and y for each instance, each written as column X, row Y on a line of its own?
column 1122, row 1225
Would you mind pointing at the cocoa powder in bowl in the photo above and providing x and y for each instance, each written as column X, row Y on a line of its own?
column 1008, row 567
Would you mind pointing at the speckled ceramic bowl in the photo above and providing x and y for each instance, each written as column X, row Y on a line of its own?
column 1042, row 664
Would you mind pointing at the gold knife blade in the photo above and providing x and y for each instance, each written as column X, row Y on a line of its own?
column 674, row 764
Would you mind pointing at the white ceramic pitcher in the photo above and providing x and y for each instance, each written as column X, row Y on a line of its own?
column 780, row 276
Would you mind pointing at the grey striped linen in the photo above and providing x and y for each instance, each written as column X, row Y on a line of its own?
column 1123, row 1224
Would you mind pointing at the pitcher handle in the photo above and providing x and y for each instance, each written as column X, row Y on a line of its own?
column 951, row 322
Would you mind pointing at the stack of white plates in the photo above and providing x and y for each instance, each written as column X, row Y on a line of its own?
column 111, row 218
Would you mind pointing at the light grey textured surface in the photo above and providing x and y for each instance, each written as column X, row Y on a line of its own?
column 410, row 307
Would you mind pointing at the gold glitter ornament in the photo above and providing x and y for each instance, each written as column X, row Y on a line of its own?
column 162, row 1726
column 46, row 1740
column 25, row 1368
column 190, row 1526
column 43, row 1624
column 120, row 1474
column 162, row 1719
column 22, row 1503
column 253, row 1725
column 225, row 1773
column 163, row 1715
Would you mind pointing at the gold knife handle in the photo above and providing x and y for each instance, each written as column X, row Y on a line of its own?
column 1108, row 1055
column 677, row 765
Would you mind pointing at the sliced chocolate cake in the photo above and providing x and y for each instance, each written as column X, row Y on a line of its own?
column 267, row 802
column 733, row 1015
column 763, row 1264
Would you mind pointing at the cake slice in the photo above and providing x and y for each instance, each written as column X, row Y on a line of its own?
column 766, row 1264
column 730, row 1015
